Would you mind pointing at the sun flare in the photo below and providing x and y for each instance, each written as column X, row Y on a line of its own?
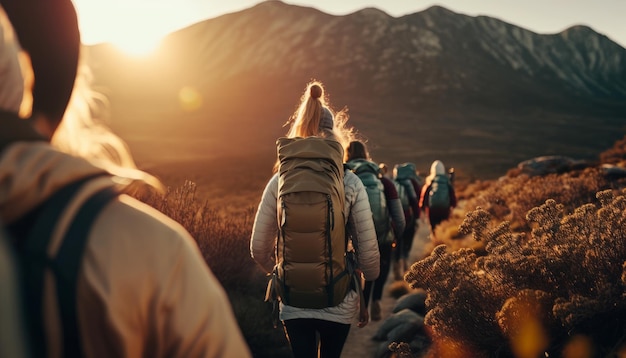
column 135, row 27
column 137, row 46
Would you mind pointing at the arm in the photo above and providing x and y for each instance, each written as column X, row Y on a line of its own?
column 423, row 201
column 265, row 229
column 361, row 226
column 453, row 200
column 197, row 318
column 146, row 291
column 417, row 188
column 413, row 200
column 395, row 207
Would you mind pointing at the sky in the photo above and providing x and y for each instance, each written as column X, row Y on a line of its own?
column 138, row 25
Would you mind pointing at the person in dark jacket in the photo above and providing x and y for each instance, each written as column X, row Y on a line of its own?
column 437, row 213
column 411, row 191
column 355, row 153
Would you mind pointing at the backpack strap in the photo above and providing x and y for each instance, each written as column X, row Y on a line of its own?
column 68, row 262
column 65, row 266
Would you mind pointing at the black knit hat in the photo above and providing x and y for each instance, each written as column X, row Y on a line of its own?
column 48, row 31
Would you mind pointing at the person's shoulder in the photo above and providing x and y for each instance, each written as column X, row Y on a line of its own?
column 350, row 178
column 386, row 181
column 134, row 245
column 352, row 184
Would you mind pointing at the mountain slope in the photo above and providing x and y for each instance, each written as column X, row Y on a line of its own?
column 476, row 92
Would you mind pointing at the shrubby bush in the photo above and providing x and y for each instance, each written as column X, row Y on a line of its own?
column 511, row 197
column 548, row 276
column 566, row 280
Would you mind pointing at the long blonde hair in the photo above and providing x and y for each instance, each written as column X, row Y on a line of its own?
column 84, row 132
column 306, row 120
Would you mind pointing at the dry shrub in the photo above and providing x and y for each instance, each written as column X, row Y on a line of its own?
column 222, row 239
column 615, row 155
column 570, row 267
column 398, row 289
column 509, row 198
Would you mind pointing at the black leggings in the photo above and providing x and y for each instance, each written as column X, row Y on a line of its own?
column 376, row 287
column 405, row 243
column 436, row 216
column 302, row 335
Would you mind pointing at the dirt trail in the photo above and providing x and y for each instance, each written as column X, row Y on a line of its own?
column 359, row 343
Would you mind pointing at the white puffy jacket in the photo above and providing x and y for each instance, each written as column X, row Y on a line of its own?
column 360, row 225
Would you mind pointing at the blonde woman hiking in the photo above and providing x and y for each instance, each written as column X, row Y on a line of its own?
column 104, row 274
column 307, row 309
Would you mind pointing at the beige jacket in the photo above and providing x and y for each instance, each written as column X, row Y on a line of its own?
column 144, row 288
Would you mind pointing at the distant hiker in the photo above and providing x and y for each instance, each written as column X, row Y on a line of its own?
column 438, row 197
column 315, row 299
column 386, row 211
column 103, row 274
column 451, row 175
column 384, row 171
column 405, row 179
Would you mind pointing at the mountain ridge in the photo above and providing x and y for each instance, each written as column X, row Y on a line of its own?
column 476, row 92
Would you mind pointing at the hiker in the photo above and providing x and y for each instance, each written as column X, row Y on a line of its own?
column 387, row 212
column 384, row 171
column 140, row 287
column 272, row 240
column 405, row 179
column 438, row 197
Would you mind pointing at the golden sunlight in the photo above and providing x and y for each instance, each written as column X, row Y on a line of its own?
column 137, row 45
column 190, row 99
column 136, row 27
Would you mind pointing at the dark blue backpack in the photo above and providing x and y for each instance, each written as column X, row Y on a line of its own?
column 439, row 195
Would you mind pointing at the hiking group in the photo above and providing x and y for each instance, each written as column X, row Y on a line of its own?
column 330, row 225
column 87, row 270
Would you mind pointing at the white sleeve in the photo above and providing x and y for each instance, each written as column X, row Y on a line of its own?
column 265, row 229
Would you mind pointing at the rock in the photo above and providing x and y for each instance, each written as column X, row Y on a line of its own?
column 613, row 171
column 382, row 350
column 415, row 301
column 549, row 165
column 404, row 332
column 420, row 343
column 404, row 316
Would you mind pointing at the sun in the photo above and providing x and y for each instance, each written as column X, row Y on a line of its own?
column 137, row 45
column 135, row 27
column 135, row 34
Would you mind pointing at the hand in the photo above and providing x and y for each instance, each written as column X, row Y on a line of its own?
column 364, row 316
